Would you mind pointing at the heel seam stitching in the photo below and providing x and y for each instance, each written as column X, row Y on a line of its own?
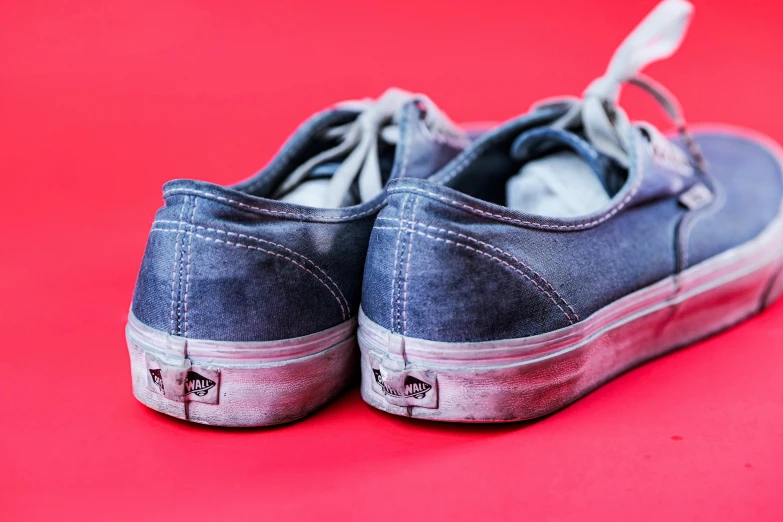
column 468, row 247
column 174, row 321
column 544, row 281
column 407, row 272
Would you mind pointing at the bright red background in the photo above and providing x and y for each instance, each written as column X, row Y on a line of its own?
column 102, row 102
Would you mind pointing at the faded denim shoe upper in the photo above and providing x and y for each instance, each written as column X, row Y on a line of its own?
column 251, row 264
column 564, row 247
column 279, row 258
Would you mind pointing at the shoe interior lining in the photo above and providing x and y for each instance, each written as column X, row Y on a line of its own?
column 554, row 183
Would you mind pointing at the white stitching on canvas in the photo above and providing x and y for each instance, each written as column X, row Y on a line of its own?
column 240, row 245
column 187, row 269
column 181, row 278
column 254, row 238
column 407, row 271
column 174, row 270
column 180, row 286
column 468, row 247
column 396, row 260
column 493, row 247
column 209, row 195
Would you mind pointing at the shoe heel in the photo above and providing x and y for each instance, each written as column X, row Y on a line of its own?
column 240, row 384
column 411, row 389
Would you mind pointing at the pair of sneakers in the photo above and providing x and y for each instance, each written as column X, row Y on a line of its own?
column 493, row 276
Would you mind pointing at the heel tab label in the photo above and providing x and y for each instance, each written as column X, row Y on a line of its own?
column 405, row 387
column 181, row 382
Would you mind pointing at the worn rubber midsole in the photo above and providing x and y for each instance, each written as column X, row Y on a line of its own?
column 239, row 383
column 523, row 378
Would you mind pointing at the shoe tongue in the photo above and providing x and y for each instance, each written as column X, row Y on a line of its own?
column 361, row 164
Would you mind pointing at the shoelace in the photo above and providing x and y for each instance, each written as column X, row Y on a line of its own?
column 378, row 119
column 605, row 124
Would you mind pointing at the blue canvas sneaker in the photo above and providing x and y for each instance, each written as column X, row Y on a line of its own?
column 565, row 247
column 244, row 312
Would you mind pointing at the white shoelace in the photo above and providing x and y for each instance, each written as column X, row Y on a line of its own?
column 378, row 119
column 605, row 124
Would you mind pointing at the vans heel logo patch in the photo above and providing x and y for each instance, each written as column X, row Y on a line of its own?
column 198, row 384
column 413, row 387
column 157, row 380
column 405, row 387
column 178, row 381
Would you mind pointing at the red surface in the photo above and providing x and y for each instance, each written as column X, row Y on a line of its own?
column 101, row 103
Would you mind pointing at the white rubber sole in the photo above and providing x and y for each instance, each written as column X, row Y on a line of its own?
column 518, row 379
column 240, row 384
